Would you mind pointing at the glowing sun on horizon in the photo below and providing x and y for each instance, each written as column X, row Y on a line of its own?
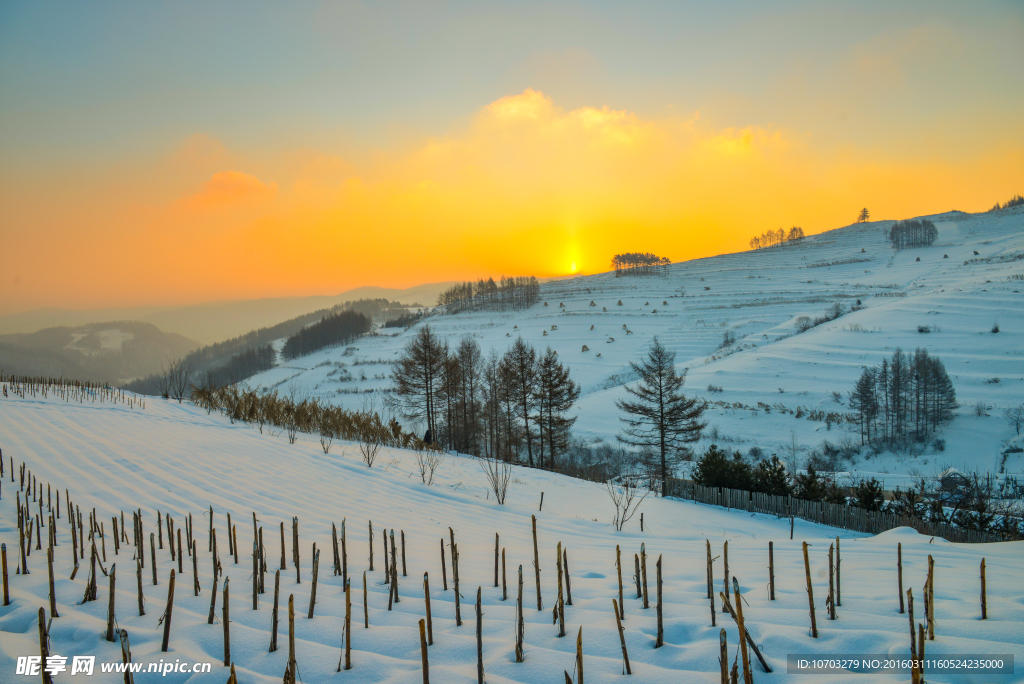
column 572, row 267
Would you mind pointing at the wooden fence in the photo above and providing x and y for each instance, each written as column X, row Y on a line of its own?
column 846, row 517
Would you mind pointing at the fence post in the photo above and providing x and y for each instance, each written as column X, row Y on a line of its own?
column 426, row 600
column 810, row 593
column 622, row 637
column 227, row 625
column 984, row 603
column 660, row 640
column 423, row 653
column 839, row 583
column 167, row 612
column 273, row 615
column 536, row 559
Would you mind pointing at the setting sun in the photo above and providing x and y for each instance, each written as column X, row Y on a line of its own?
column 590, row 150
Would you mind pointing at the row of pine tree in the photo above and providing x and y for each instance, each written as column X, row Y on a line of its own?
column 497, row 406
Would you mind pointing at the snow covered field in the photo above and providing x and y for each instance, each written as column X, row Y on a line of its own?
column 969, row 280
column 176, row 459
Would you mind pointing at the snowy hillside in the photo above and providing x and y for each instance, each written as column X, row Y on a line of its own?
column 175, row 459
column 959, row 288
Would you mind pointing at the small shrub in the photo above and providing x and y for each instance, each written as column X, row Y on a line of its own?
column 992, row 381
column 995, row 327
column 868, row 495
column 803, row 324
column 770, row 477
column 980, row 409
column 717, row 469
column 714, row 389
column 939, row 444
column 924, row 328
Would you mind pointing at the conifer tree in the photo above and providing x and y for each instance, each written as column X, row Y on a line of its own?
column 418, row 373
column 522, row 368
column 661, row 417
column 770, row 476
column 556, row 394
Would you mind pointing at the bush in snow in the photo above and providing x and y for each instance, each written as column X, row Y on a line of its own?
column 428, row 461
column 770, row 477
column 868, row 495
column 717, row 469
column 1015, row 417
column 624, row 498
column 498, row 474
column 910, row 503
column 812, row 487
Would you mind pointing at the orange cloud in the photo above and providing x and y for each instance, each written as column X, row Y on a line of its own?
column 523, row 187
column 230, row 188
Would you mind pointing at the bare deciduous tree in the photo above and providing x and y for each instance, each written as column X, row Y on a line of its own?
column 1015, row 417
column 175, row 380
column 498, row 474
column 428, row 461
column 624, row 497
column 326, row 434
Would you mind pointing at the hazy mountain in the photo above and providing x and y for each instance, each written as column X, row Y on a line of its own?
column 216, row 321
column 112, row 352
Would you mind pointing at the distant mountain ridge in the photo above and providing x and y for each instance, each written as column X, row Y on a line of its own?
column 112, row 352
column 213, row 322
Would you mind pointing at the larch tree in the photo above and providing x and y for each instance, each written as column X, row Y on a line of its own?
column 418, row 373
column 470, row 360
column 556, row 394
column 864, row 400
column 521, row 362
column 660, row 416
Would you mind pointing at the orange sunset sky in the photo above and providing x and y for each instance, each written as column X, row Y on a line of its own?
column 178, row 153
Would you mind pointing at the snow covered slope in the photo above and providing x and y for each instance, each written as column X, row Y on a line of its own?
column 959, row 288
column 176, row 459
